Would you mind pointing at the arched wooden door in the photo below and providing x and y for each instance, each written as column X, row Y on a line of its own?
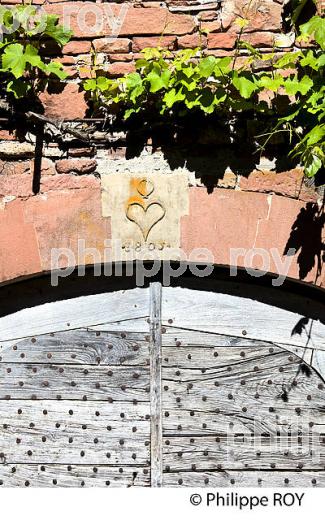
column 161, row 386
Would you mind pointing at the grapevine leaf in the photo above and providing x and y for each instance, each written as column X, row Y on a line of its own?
column 295, row 85
column 271, row 83
column 156, row 81
column 314, row 28
column 312, row 165
column 244, row 86
column 172, row 97
column 13, row 59
column 207, row 66
column 18, row 88
column 56, row 31
column 90, row 84
column 57, row 69
column 133, row 80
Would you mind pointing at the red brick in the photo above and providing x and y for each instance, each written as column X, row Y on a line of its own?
column 81, row 166
column 63, row 217
column 213, row 26
column 166, row 42
column 222, row 40
column 120, row 57
column 82, row 152
column 263, row 15
column 137, row 20
column 77, row 47
column 287, row 183
column 14, row 167
column 191, row 41
column 66, row 60
column 74, row 73
column 19, row 254
column 260, row 39
column 5, row 135
column 47, row 167
column 240, row 219
column 208, row 16
column 111, row 45
column 68, row 182
column 308, row 194
column 17, row 185
column 119, row 68
column 68, row 104
column 227, row 40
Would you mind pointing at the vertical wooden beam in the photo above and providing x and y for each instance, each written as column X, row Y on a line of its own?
column 155, row 384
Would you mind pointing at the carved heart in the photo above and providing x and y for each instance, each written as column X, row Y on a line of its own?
column 145, row 217
column 145, row 188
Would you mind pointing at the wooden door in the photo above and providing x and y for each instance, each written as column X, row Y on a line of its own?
column 75, row 393
column 161, row 386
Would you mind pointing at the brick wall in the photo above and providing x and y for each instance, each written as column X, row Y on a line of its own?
column 35, row 192
column 117, row 32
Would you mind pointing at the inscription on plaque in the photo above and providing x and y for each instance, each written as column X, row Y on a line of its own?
column 145, row 210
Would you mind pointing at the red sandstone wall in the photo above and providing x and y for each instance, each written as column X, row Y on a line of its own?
column 175, row 24
column 67, row 203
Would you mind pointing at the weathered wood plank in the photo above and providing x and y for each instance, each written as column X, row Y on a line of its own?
column 71, row 382
column 244, row 452
column 177, row 337
column 233, row 479
column 155, row 385
column 58, row 475
column 249, row 395
column 182, row 338
column 79, row 346
column 238, row 316
column 77, row 449
column 62, row 432
column 139, row 325
column 270, row 380
column 205, row 357
column 83, row 412
column 118, row 428
column 74, row 313
column 252, row 421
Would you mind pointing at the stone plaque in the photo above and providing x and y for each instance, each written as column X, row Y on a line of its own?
column 145, row 210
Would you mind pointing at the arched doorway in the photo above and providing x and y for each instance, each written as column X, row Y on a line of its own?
column 207, row 383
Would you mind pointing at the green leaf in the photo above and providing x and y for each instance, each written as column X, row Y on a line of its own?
column 315, row 135
column 312, row 165
column 172, row 97
column 140, row 63
column 18, row 88
column 31, row 56
column 13, row 59
column 133, row 80
column 136, row 92
column 207, row 101
column 207, row 66
column 298, row 6
column 244, row 86
column 271, row 83
column 90, row 84
column 56, row 31
column 314, row 28
column 295, row 85
column 156, row 81
column 289, row 60
column 55, row 68
column 310, row 60
column 223, row 65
